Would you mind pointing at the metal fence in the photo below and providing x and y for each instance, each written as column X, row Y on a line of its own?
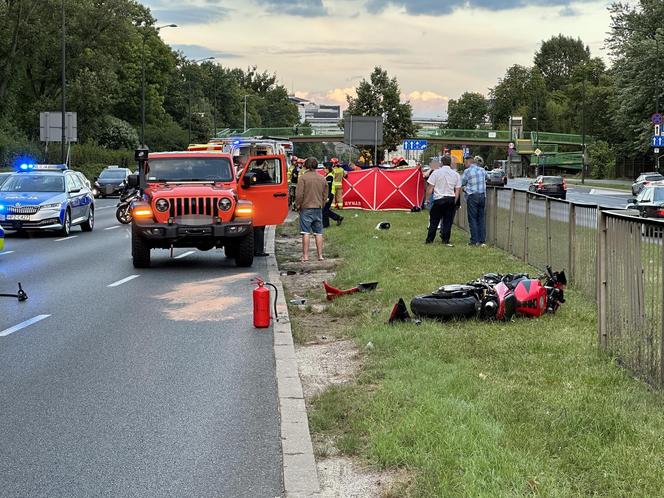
column 619, row 265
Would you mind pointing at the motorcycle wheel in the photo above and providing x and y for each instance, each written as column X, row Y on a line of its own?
column 437, row 306
column 123, row 214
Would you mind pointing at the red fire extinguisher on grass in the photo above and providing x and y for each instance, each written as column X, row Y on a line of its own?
column 261, row 297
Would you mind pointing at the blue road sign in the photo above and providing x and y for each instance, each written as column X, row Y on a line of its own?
column 657, row 118
column 415, row 144
column 657, row 141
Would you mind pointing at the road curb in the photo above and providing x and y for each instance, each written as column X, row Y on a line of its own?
column 299, row 465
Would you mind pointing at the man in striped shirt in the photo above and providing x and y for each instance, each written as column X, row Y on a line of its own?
column 474, row 186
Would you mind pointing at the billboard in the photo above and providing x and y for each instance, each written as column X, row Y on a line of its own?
column 363, row 130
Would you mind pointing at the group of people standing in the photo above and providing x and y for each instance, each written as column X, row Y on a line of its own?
column 443, row 196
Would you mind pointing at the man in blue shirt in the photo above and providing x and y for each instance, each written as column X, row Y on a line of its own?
column 474, row 185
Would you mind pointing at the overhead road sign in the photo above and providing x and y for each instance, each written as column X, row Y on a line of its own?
column 415, row 144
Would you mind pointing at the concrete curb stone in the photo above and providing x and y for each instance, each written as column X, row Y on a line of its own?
column 299, row 465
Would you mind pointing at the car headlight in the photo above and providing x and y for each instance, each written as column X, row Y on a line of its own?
column 162, row 205
column 57, row 205
column 96, row 184
column 225, row 204
column 122, row 184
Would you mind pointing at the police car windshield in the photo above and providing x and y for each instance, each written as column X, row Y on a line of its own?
column 190, row 169
column 112, row 174
column 33, row 183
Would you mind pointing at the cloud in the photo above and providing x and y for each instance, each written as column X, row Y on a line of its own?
column 301, row 8
column 172, row 11
column 425, row 96
column 199, row 52
column 445, row 7
column 338, row 95
column 332, row 50
column 568, row 11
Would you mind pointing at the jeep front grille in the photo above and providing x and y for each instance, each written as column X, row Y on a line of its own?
column 22, row 209
column 204, row 206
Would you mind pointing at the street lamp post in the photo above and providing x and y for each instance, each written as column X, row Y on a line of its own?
column 64, row 86
column 158, row 28
column 245, row 113
column 189, row 90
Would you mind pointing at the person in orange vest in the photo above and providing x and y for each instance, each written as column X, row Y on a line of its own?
column 339, row 174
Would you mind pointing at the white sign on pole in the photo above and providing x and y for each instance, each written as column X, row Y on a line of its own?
column 492, row 134
column 50, row 127
column 538, row 152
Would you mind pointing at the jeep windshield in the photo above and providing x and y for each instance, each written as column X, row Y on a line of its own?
column 190, row 169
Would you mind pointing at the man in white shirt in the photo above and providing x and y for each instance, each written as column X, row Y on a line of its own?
column 445, row 185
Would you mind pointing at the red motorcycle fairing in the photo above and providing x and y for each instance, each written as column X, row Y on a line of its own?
column 531, row 297
column 507, row 304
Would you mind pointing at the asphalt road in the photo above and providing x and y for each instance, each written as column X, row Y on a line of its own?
column 132, row 383
column 602, row 197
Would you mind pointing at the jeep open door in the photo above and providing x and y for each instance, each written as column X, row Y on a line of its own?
column 264, row 182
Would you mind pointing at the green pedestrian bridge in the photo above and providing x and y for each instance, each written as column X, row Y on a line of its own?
column 550, row 144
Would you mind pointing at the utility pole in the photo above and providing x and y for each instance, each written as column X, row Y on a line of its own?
column 189, row 91
column 63, row 153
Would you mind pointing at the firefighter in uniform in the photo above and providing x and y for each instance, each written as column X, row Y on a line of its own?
column 327, row 209
column 338, row 177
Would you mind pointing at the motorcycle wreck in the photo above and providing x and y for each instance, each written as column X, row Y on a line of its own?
column 495, row 297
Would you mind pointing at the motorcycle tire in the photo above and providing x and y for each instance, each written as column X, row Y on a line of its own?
column 123, row 215
column 438, row 306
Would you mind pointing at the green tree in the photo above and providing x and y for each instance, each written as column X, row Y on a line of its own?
column 510, row 96
column 557, row 58
column 601, row 160
column 380, row 96
column 469, row 112
column 115, row 133
column 636, row 43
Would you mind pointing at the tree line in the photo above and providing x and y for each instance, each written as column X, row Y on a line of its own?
column 567, row 90
column 108, row 44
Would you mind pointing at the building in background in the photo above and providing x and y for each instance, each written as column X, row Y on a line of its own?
column 318, row 115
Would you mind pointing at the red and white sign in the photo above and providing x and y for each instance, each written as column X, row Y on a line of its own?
column 378, row 189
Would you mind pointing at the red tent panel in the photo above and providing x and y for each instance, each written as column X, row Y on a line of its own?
column 379, row 189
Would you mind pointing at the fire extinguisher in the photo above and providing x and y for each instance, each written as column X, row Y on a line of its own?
column 261, row 296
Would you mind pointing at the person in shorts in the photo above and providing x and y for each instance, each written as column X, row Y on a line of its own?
column 310, row 198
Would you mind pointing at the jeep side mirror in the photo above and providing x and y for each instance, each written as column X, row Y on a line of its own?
column 132, row 181
column 248, row 180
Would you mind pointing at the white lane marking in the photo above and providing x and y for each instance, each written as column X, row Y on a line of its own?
column 113, row 227
column 6, row 252
column 123, row 281
column 22, row 325
column 184, row 255
column 66, row 238
column 104, row 207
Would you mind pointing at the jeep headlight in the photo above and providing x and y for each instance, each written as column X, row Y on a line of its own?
column 162, row 205
column 225, row 204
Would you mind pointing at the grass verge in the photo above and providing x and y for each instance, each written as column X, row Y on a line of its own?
column 481, row 409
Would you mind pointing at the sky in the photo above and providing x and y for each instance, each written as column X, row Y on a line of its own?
column 437, row 49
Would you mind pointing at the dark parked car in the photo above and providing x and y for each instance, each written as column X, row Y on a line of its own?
column 644, row 180
column 496, row 178
column 552, row 186
column 111, row 181
column 650, row 201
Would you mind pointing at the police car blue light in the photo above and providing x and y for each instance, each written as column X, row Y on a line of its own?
column 45, row 197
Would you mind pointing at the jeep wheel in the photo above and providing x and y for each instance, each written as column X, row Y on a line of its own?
column 140, row 250
column 244, row 251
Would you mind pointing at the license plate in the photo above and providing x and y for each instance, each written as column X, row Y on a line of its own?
column 18, row 217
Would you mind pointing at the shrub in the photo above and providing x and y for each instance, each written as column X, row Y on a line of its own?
column 601, row 160
column 115, row 133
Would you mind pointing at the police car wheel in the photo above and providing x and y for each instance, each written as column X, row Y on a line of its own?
column 66, row 225
column 88, row 225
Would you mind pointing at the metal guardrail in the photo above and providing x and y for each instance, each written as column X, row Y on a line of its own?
column 611, row 257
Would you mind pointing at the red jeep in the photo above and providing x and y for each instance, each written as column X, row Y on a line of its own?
column 197, row 199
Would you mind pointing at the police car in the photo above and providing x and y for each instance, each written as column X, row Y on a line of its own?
column 46, row 197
